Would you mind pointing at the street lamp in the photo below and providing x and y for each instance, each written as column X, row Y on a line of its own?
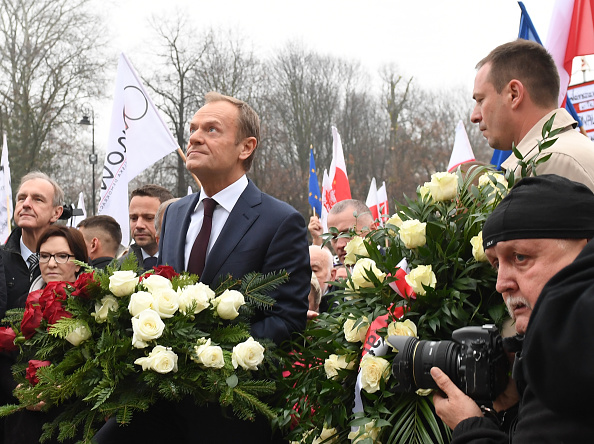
column 88, row 111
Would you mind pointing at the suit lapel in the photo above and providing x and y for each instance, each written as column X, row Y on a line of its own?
column 240, row 220
column 184, row 215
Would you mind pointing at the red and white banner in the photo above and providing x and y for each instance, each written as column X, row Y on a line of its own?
column 326, row 206
column 371, row 200
column 382, row 200
column 582, row 97
column 335, row 184
column 462, row 151
column 377, row 201
column 341, row 190
column 571, row 34
column 138, row 137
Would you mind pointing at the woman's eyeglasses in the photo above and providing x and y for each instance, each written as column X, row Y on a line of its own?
column 60, row 258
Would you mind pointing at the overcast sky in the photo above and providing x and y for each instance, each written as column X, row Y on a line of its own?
column 438, row 42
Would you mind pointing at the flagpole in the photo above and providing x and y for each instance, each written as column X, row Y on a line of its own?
column 183, row 156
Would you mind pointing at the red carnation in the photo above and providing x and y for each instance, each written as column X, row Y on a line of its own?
column 31, row 319
column 31, row 373
column 82, row 283
column 7, row 336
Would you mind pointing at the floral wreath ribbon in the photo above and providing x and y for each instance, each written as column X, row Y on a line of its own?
column 374, row 343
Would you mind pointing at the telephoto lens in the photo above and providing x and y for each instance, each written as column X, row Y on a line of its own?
column 474, row 360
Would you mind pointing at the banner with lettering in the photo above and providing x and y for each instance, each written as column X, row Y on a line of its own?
column 5, row 193
column 138, row 137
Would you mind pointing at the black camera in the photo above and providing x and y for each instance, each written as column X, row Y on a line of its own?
column 474, row 360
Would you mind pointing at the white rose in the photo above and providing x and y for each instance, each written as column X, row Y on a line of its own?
column 209, row 355
column 422, row 275
column 372, row 370
column 371, row 432
column 108, row 303
column 160, row 359
column 405, row 328
column 79, row 334
column 155, row 282
column 359, row 276
column 326, row 435
column 358, row 333
column 165, row 302
column 412, row 233
column 248, row 354
column 443, row 186
column 395, row 220
column 355, row 248
column 496, row 180
column 140, row 301
column 424, row 392
column 424, row 192
column 200, row 294
column 477, row 248
column 123, row 283
column 228, row 304
column 146, row 326
column 334, row 362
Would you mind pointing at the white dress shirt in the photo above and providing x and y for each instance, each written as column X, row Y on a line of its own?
column 226, row 200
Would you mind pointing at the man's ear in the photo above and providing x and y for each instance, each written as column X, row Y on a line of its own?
column 333, row 274
column 248, row 145
column 516, row 92
column 94, row 245
column 57, row 212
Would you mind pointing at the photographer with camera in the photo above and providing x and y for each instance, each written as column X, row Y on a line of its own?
column 536, row 231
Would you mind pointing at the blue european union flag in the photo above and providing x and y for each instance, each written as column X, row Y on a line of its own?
column 315, row 197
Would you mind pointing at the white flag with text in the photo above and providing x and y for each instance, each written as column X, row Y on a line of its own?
column 138, row 137
column 5, row 193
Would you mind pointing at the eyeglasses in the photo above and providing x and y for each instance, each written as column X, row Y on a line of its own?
column 60, row 258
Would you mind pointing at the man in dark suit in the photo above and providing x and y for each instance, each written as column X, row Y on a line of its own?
column 247, row 231
column 251, row 231
column 103, row 236
column 144, row 203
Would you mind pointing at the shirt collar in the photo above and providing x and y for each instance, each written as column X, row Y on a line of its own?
column 25, row 252
column 228, row 197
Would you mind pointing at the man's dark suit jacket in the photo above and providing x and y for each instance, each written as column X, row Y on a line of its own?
column 262, row 234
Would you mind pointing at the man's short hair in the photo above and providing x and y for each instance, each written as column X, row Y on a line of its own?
column 152, row 190
column 357, row 206
column 328, row 258
column 248, row 122
column 107, row 225
column 58, row 199
column 542, row 207
column 528, row 62
column 161, row 211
